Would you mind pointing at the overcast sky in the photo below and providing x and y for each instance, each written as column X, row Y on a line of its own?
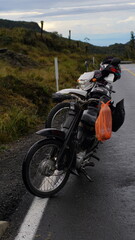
column 103, row 22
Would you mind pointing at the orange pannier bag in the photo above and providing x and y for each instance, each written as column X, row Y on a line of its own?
column 103, row 125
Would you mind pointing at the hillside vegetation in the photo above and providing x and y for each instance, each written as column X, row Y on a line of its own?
column 27, row 78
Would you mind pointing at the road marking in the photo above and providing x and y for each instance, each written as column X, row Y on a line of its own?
column 31, row 222
column 129, row 71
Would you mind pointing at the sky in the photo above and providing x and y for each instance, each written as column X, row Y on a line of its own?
column 99, row 22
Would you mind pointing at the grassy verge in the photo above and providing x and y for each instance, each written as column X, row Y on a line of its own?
column 27, row 78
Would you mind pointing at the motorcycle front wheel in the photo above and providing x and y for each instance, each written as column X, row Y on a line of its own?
column 57, row 115
column 39, row 171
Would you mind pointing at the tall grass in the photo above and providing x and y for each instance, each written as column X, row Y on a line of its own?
column 15, row 123
column 26, row 86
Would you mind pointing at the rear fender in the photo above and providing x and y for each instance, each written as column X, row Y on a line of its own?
column 51, row 133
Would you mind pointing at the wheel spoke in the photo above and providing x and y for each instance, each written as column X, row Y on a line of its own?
column 59, row 118
column 44, row 159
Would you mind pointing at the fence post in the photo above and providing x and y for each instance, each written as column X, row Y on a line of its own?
column 42, row 24
column 93, row 60
column 56, row 73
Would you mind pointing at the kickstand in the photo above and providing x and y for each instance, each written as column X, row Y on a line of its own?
column 83, row 171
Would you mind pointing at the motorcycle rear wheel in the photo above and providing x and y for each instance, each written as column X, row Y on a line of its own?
column 57, row 115
column 39, row 170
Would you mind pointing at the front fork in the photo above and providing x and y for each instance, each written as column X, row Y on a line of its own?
column 69, row 145
column 68, row 150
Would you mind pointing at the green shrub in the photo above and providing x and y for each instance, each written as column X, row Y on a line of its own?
column 39, row 95
column 15, row 123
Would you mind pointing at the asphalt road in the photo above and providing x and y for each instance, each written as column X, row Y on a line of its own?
column 104, row 209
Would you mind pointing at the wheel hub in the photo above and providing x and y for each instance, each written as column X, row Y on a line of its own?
column 47, row 168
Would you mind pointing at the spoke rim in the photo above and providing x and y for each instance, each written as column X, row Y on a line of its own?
column 42, row 183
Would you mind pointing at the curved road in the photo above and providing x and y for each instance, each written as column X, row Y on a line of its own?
column 102, row 210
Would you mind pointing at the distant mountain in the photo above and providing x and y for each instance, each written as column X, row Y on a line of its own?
column 19, row 24
column 115, row 49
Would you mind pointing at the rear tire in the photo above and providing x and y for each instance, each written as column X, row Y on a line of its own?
column 39, row 170
column 57, row 115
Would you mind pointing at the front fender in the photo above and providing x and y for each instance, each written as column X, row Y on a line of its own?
column 51, row 132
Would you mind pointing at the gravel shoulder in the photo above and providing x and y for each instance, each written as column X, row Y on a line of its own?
column 11, row 185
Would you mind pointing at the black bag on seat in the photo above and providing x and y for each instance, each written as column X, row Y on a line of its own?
column 118, row 115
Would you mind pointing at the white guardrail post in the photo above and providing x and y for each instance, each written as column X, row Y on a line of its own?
column 56, row 73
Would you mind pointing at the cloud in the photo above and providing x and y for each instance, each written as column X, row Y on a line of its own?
column 85, row 18
column 129, row 19
column 15, row 5
column 19, row 13
column 53, row 8
column 110, row 7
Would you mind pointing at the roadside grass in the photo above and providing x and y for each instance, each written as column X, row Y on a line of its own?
column 27, row 77
column 3, row 148
column 26, row 93
column 15, row 123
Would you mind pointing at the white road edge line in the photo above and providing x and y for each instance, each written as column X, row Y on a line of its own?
column 32, row 220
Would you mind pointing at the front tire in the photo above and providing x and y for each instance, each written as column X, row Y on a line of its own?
column 39, row 170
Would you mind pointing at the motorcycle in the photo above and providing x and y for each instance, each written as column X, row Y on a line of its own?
column 69, row 150
column 58, row 113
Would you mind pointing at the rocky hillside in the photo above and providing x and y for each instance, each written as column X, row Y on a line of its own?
column 19, row 24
